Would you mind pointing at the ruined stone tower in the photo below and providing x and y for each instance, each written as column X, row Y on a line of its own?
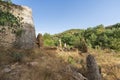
column 26, row 37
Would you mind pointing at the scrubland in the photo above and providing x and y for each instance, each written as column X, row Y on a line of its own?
column 48, row 64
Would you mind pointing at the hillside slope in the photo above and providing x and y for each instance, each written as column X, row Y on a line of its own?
column 94, row 37
column 37, row 64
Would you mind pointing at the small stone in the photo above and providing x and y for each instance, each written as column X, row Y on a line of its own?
column 33, row 64
column 6, row 70
column 79, row 76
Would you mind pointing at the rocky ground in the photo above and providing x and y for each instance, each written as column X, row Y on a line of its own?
column 51, row 64
column 37, row 64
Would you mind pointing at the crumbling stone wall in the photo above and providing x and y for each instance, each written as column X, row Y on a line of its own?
column 25, row 37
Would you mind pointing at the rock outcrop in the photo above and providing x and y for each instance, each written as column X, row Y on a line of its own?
column 25, row 37
column 40, row 40
column 93, row 72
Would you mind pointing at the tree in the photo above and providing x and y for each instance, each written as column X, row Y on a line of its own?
column 68, row 39
column 48, row 40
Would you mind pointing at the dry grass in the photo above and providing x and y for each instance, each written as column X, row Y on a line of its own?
column 48, row 66
column 109, row 61
column 54, row 65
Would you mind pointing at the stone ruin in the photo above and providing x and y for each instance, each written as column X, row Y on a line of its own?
column 27, row 37
column 39, row 40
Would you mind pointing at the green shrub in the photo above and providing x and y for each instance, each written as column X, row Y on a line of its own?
column 17, row 56
column 48, row 42
column 71, row 60
column 19, row 32
column 8, row 19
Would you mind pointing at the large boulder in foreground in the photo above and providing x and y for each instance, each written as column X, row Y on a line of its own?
column 24, row 37
column 93, row 71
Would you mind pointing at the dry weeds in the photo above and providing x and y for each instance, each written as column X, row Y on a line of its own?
column 54, row 65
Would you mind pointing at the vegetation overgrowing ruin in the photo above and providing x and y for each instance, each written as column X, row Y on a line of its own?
column 76, row 54
column 8, row 19
column 16, row 26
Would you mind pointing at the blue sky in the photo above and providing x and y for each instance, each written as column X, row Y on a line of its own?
column 54, row 16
